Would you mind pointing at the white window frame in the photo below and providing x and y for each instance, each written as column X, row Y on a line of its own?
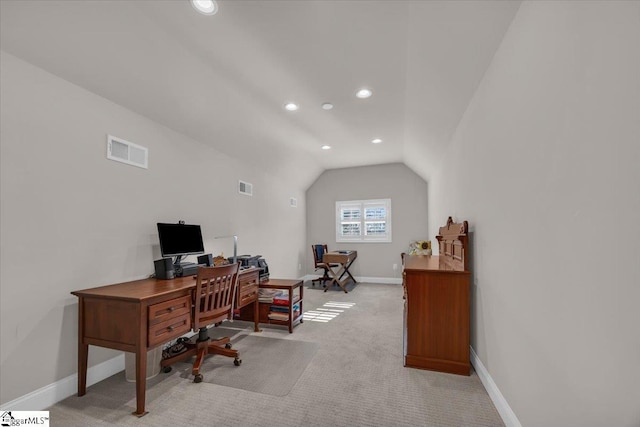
column 361, row 221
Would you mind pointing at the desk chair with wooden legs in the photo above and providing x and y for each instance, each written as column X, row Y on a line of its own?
column 318, row 253
column 213, row 303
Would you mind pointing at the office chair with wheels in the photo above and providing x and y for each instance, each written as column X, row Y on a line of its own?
column 318, row 252
column 212, row 303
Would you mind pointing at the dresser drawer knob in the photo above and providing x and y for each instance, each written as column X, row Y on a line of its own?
column 171, row 309
column 170, row 328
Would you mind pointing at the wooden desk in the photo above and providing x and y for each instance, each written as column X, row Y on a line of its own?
column 338, row 264
column 140, row 315
column 265, row 307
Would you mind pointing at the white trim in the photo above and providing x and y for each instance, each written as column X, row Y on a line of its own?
column 384, row 280
column 51, row 394
column 506, row 413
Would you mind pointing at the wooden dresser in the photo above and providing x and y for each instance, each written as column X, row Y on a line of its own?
column 436, row 310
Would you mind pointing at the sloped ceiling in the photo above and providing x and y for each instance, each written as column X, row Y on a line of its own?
column 223, row 79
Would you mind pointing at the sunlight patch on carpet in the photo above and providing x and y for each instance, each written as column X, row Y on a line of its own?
column 330, row 310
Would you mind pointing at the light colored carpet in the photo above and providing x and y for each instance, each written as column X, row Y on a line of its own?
column 356, row 378
column 269, row 365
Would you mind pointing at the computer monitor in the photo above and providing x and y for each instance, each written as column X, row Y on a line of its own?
column 180, row 240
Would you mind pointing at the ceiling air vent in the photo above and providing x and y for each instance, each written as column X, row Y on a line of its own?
column 245, row 188
column 127, row 152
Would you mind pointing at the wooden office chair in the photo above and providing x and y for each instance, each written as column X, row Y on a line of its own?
column 212, row 303
column 318, row 252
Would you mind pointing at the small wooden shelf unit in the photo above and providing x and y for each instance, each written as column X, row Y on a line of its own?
column 247, row 313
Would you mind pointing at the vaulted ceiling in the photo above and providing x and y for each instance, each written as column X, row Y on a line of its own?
column 223, row 79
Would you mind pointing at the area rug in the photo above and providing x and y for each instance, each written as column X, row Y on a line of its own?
column 269, row 365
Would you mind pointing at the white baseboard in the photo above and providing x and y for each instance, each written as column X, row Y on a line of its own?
column 501, row 404
column 51, row 394
column 386, row 280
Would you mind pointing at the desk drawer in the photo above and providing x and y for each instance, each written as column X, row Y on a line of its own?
column 248, row 294
column 169, row 329
column 169, row 309
column 169, row 319
column 247, row 288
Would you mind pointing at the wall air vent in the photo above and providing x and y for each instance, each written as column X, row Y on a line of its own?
column 127, row 152
column 293, row 202
column 245, row 188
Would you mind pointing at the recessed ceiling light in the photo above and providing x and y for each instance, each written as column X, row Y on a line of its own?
column 327, row 106
column 326, row 147
column 206, row 7
column 376, row 141
column 364, row 93
column 290, row 106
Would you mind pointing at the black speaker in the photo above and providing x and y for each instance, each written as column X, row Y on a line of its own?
column 206, row 260
column 164, row 268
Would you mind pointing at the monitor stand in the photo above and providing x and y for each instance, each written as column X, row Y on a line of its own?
column 184, row 268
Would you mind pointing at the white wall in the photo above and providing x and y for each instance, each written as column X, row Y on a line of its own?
column 545, row 167
column 71, row 219
column 408, row 194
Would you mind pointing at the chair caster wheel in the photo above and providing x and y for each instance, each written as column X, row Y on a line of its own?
column 237, row 361
column 166, row 369
column 227, row 345
column 198, row 378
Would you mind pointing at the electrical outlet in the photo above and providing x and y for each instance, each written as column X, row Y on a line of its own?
column 299, row 266
column 395, row 267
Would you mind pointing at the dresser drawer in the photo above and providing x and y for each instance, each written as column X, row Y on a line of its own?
column 169, row 319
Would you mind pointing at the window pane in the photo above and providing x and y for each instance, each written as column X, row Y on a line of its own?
column 350, row 229
column 378, row 212
column 378, row 228
column 363, row 220
column 350, row 213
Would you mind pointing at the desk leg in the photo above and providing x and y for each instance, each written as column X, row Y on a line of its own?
column 256, row 316
column 336, row 278
column 83, row 351
column 141, row 382
column 141, row 363
column 346, row 271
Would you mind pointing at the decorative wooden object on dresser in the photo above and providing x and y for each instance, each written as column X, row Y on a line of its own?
column 436, row 308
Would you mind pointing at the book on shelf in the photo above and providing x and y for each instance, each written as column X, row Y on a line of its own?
column 274, row 315
column 268, row 295
column 281, row 298
column 278, row 312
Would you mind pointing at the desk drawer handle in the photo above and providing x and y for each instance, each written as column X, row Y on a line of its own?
column 171, row 309
column 170, row 328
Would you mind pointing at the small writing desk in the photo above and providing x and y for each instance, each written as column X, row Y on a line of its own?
column 338, row 264
column 143, row 314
